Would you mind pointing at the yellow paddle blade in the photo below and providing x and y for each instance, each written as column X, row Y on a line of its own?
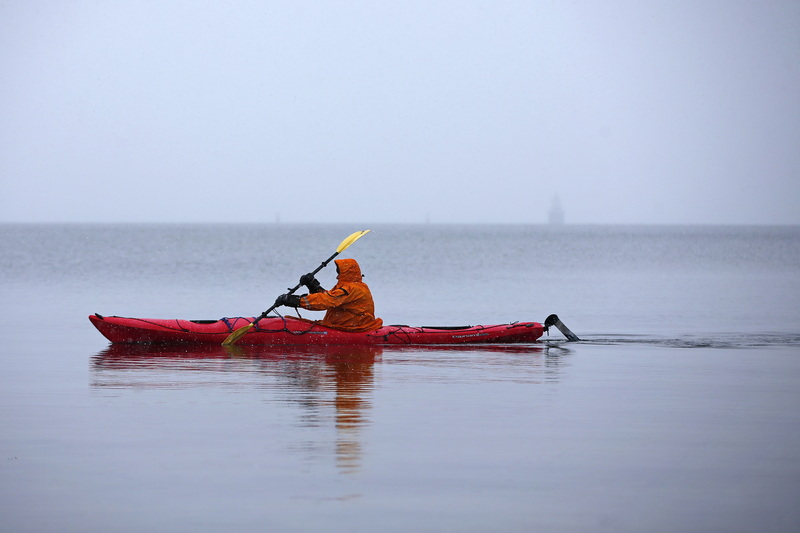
column 238, row 334
column 350, row 240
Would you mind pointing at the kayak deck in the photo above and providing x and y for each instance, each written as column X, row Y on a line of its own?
column 292, row 331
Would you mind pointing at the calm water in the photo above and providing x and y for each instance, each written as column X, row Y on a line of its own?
column 677, row 412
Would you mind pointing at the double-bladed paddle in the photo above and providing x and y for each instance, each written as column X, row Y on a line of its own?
column 239, row 333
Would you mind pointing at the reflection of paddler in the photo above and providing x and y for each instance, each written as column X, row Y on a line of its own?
column 353, row 376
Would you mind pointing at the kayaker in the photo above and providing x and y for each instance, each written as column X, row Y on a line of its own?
column 349, row 303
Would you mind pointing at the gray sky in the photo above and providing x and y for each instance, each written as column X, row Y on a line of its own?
column 370, row 111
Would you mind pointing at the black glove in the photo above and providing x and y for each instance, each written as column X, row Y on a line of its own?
column 311, row 282
column 289, row 300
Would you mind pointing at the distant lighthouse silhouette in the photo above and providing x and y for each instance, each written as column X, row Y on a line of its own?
column 556, row 212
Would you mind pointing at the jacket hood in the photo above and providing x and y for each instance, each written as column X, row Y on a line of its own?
column 348, row 270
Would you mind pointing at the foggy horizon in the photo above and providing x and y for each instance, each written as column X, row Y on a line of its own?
column 630, row 113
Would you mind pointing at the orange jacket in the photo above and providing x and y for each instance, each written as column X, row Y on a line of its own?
column 349, row 304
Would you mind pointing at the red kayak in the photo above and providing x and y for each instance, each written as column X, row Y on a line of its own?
column 293, row 331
